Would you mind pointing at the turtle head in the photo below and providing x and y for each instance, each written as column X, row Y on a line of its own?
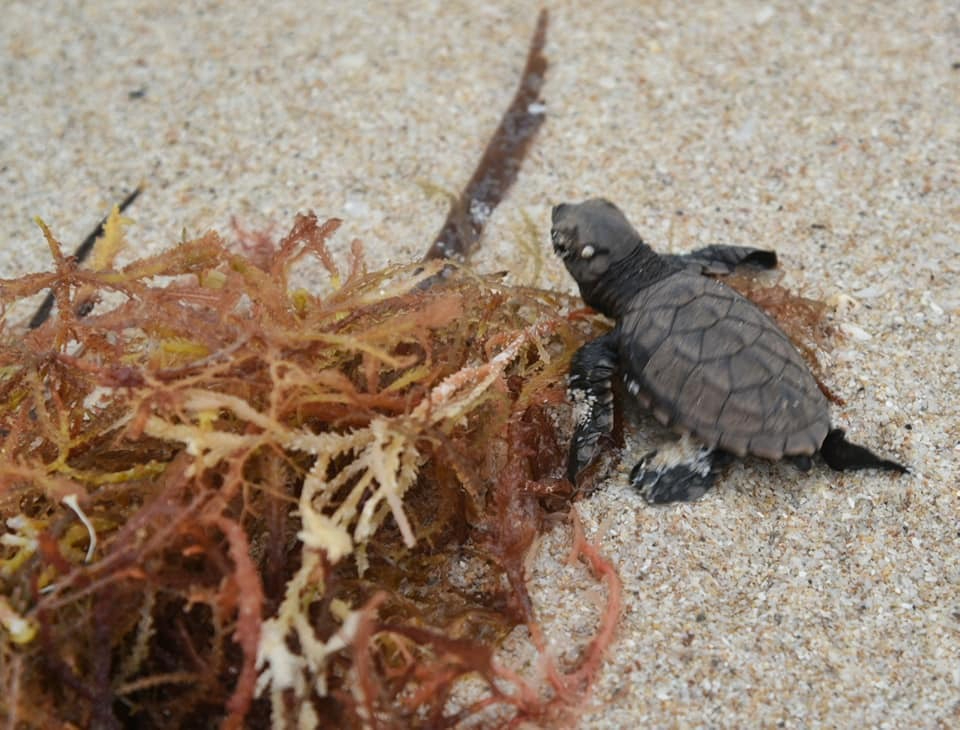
column 602, row 251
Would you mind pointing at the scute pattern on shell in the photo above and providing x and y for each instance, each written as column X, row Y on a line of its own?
column 713, row 364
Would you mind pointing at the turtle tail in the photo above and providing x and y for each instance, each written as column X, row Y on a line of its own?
column 842, row 455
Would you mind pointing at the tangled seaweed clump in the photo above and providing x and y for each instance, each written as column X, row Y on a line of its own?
column 229, row 501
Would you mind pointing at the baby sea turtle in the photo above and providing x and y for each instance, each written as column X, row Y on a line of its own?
column 705, row 360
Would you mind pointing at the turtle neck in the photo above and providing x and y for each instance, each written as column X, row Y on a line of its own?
column 613, row 292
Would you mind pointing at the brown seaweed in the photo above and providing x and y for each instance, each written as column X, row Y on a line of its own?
column 231, row 503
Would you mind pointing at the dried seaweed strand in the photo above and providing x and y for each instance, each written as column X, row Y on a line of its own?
column 249, row 619
column 501, row 161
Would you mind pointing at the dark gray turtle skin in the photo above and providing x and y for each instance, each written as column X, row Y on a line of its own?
column 701, row 357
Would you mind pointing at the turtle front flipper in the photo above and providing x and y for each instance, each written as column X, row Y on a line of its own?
column 719, row 260
column 663, row 478
column 590, row 390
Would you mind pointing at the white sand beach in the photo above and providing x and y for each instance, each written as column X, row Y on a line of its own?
column 830, row 133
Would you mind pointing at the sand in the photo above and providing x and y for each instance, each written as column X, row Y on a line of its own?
column 830, row 133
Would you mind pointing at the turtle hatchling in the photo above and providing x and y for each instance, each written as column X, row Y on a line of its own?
column 704, row 359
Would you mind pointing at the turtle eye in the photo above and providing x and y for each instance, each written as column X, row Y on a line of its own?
column 587, row 251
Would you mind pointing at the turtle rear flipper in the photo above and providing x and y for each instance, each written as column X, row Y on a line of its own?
column 841, row 455
column 683, row 481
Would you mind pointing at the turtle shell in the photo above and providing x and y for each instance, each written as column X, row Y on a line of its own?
column 709, row 362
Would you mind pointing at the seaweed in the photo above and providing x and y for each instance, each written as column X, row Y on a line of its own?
column 229, row 501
